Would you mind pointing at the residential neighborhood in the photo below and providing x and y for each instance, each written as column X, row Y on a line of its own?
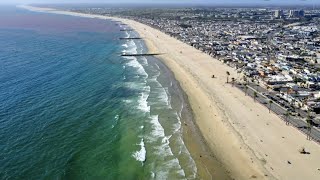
column 277, row 50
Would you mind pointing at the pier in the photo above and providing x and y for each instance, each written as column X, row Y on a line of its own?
column 143, row 54
column 133, row 38
column 120, row 24
column 126, row 29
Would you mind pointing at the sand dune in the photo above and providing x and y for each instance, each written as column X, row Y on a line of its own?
column 250, row 141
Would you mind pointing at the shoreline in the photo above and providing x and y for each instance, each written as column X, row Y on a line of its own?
column 208, row 166
column 204, row 173
column 196, row 106
column 249, row 141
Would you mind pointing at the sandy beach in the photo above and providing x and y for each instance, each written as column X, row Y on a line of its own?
column 249, row 141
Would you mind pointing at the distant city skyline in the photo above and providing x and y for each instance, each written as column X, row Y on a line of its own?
column 229, row 2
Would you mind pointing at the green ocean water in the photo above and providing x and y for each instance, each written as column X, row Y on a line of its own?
column 72, row 108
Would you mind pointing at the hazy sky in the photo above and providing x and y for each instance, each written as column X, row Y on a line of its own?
column 168, row 1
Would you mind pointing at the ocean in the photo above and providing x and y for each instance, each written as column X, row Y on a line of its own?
column 72, row 108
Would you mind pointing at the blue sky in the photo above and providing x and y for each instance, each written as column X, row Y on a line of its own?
column 169, row 1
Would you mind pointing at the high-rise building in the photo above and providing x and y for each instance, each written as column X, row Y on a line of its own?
column 296, row 13
column 292, row 13
column 301, row 13
column 278, row 14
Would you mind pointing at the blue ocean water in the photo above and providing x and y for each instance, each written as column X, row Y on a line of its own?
column 72, row 108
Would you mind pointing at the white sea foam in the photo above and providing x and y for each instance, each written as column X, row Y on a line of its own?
column 127, row 101
column 157, row 67
column 157, row 137
column 144, row 61
column 176, row 126
column 163, row 150
column 167, row 167
column 168, row 97
column 163, row 92
column 155, row 77
column 140, row 86
column 142, row 101
column 127, row 34
column 164, row 97
column 141, row 154
column 134, row 63
column 116, row 119
column 132, row 47
column 191, row 164
column 152, row 175
column 157, row 129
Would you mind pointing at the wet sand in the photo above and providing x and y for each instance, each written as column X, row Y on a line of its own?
column 208, row 166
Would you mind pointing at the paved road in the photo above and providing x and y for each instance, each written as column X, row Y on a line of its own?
column 295, row 121
column 260, row 89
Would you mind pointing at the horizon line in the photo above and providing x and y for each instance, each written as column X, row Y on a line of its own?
column 168, row 3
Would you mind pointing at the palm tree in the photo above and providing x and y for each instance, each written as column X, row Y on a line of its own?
column 246, row 89
column 239, row 73
column 305, row 103
column 309, row 130
column 228, row 74
column 270, row 103
column 255, row 95
column 268, row 88
column 309, row 121
column 287, row 114
column 245, row 79
column 295, row 80
column 257, row 85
